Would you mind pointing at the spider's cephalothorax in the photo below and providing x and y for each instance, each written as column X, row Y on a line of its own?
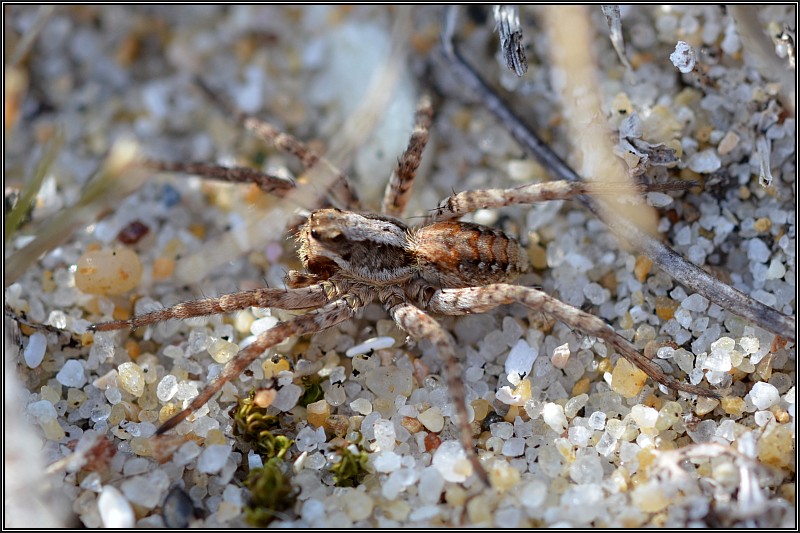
column 443, row 267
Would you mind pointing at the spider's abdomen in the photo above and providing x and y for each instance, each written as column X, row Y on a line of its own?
column 460, row 254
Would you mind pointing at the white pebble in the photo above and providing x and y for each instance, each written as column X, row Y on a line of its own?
column 370, row 345
column 645, row 417
column 424, row 513
column 450, row 460
column 34, row 351
column 213, row 458
column 695, row 302
column 560, row 356
column 42, row 411
column 763, row 395
column 704, row 162
column 749, row 344
column 72, row 374
column 387, row 462
column 683, row 57
column 263, row 324
column 586, row 469
column 553, row 416
column 167, row 388
column 597, row 420
column 514, row 447
column 384, row 435
column 431, row 484
column 520, row 361
column 287, row 397
column 757, row 250
column 361, row 405
column 503, row 430
column 115, row 511
column 432, row 419
column 659, row 199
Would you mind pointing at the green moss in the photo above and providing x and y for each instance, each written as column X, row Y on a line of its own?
column 312, row 390
column 271, row 493
column 350, row 470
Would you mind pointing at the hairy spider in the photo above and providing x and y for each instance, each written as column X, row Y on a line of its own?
column 351, row 258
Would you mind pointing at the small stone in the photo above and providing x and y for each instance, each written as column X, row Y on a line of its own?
column 223, row 351
column 733, row 405
column 34, row 351
column 586, row 469
column 370, row 345
column 695, row 302
column 72, row 374
column 167, row 388
column 597, row 420
column 287, row 397
column 514, row 447
column 553, row 416
column 560, row 356
column 728, row 143
column 263, row 324
column 109, row 272
column 390, row 381
column 387, row 462
column 704, row 162
column 318, row 412
column 384, row 435
column 763, row 395
column 650, row 497
column 451, row 462
column 213, row 458
column 115, row 511
column 626, row 379
column 361, row 405
column 776, row 446
column 431, row 484
column 358, row 505
column 131, row 378
column 504, row 477
column 683, row 57
column 579, row 436
column 520, row 361
column 432, row 419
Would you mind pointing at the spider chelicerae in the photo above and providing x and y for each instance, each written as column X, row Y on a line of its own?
column 353, row 257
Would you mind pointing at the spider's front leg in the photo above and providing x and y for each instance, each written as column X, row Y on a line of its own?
column 317, row 320
column 482, row 299
column 300, row 298
column 420, row 325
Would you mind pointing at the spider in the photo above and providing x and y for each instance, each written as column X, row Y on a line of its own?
column 352, row 258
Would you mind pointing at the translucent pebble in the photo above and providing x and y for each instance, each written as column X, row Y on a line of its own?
column 560, row 356
column 131, row 378
column 423, row 513
column 384, row 435
column 586, row 469
column 389, row 381
column 263, row 324
column 683, row 57
column 186, row 390
column 361, row 405
column 645, row 417
column 606, row 444
column 287, row 397
column 41, row 410
column 596, row 293
column 597, row 420
column 683, row 317
column 695, row 302
column 136, row 465
column 336, row 395
column 72, row 374
column 575, row 404
column 167, row 388
column 306, row 440
column 146, row 490
column 254, row 460
column 520, row 360
column 387, row 462
column 115, row 511
column 514, row 447
column 370, row 345
column 223, row 351
column 451, row 462
column 704, row 162
column 684, row 359
column 432, row 419
column 579, row 435
column 106, row 271
column 213, row 458
column 763, row 395
column 431, row 485
column 553, row 416
column 34, row 351
column 757, row 250
column 113, row 395
column 503, row 430
column 703, row 432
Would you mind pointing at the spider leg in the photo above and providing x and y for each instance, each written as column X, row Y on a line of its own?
column 465, row 202
column 301, row 298
column 341, row 187
column 482, row 299
column 398, row 189
column 420, row 325
column 266, row 182
column 323, row 318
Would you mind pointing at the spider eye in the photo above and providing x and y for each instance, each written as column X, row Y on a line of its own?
column 314, row 234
